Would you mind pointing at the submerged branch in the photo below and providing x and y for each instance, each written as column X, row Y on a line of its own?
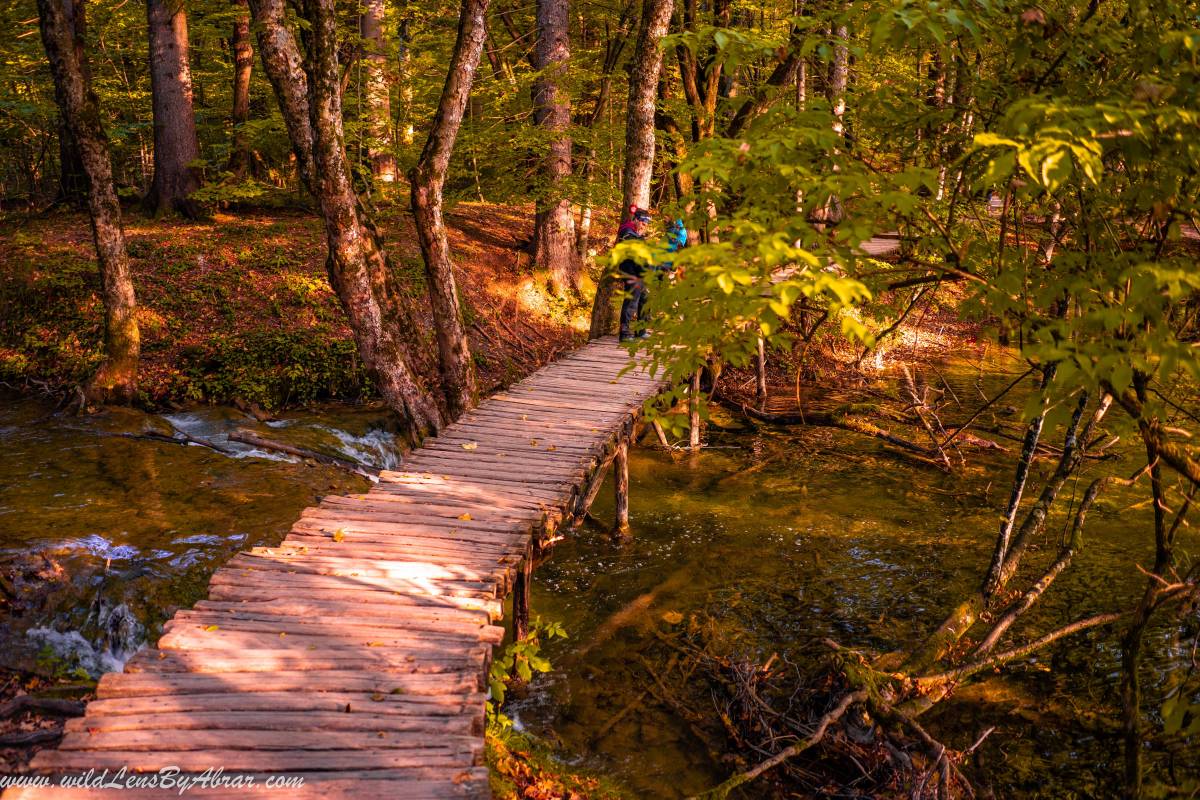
column 722, row 791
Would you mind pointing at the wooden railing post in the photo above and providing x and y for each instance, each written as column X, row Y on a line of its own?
column 694, row 412
column 621, row 482
column 521, row 598
column 761, row 389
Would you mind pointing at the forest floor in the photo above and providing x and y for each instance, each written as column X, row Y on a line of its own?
column 237, row 308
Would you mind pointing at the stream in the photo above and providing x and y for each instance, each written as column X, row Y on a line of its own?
column 778, row 538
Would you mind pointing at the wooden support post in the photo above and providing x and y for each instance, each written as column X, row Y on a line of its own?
column 621, row 482
column 521, row 598
column 694, row 412
column 762, row 372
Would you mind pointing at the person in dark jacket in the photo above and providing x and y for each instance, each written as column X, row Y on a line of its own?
column 633, row 275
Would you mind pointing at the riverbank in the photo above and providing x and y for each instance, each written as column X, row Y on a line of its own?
column 237, row 309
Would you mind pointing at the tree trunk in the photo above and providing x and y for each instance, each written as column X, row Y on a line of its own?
column 554, row 247
column 359, row 270
column 175, row 143
column 839, row 77
column 404, row 59
column 284, row 68
column 62, row 26
column 378, row 110
column 427, row 179
column 639, row 136
column 72, row 179
column 243, row 62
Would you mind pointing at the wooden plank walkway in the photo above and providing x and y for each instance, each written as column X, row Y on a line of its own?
column 356, row 652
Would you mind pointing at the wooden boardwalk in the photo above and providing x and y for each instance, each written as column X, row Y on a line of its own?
column 356, row 652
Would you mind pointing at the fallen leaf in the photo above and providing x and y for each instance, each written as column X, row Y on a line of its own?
column 470, row 446
column 377, row 697
column 339, row 535
column 211, row 628
column 672, row 617
column 464, row 517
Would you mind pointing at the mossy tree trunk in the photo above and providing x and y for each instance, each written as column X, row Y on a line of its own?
column 427, row 179
column 62, row 27
column 240, row 155
column 309, row 94
column 378, row 99
column 554, row 247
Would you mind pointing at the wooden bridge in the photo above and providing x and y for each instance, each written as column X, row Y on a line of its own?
column 356, row 652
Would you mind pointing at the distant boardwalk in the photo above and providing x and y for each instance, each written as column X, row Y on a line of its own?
column 356, row 652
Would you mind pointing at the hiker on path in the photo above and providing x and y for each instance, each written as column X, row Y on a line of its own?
column 632, row 275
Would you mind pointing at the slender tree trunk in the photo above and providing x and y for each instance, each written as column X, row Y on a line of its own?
column 284, row 67
column 359, row 270
column 175, row 143
column 554, row 228
column 240, row 156
column 427, row 179
column 639, row 135
column 62, row 27
column 378, row 93
column 404, row 59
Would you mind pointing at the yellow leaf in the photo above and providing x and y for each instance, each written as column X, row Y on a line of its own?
column 551, row 447
column 464, row 517
column 339, row 535
column 469, row 446
column 672, row 617
column 211, row 628
column 377, row 697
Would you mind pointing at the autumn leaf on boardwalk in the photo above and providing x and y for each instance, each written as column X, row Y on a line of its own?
column 339, row 535
column 470, row 446
column 464, row 517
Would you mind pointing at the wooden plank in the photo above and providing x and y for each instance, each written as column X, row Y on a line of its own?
column 347, row 621
column 116, row 684
column 231, row 586
column 244, row 760
column 275, row 739
column 276, row 721
column 453, row 704
column 340, row 657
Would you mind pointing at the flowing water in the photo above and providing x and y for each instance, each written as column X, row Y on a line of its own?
column 777, row 538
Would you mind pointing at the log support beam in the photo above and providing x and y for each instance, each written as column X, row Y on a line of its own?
column 520, row 594
column 694, row 412
column 621, row 484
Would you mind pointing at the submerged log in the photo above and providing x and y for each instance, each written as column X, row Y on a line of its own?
column 254, row 440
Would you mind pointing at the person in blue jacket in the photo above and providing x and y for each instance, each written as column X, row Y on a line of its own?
column 634, row 274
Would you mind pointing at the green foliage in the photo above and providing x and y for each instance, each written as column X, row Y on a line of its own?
column 275, row 368
column 519, row 659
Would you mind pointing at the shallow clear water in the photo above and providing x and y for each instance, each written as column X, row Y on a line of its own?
column 787, row 538
column 774, row 539
column 105, row 535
